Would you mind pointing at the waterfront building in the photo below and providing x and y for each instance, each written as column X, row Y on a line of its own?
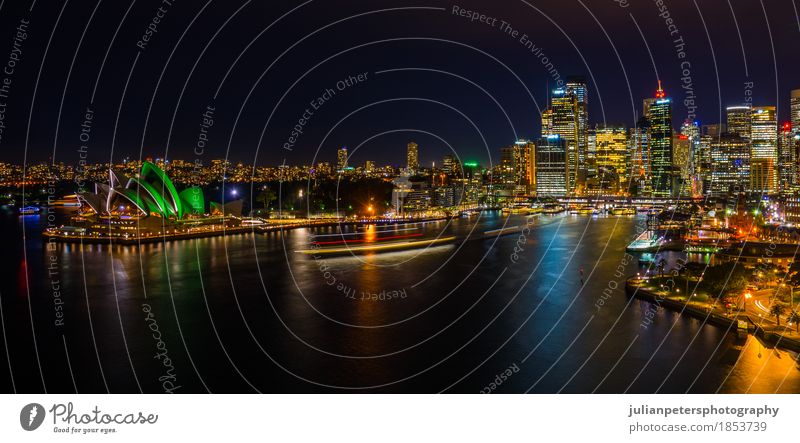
column 562, row 121
column 607, row 158
column 659, row 117
column 551, row 167
column 577, row 86
column 639, row 154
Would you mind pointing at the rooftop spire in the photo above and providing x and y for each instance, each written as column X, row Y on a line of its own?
column 660, row 92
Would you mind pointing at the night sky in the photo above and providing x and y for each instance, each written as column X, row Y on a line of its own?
column 447, row 83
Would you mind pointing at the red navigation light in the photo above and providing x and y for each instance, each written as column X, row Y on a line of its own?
column 660, row 92
column 787, row 126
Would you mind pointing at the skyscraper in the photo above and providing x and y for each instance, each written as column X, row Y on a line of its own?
column 562, row 120
column 787, row 158
column 341, row 158
column 639, row 153
column 739, row 120
column 412, row 158
column 551, row 167
column 764, row 145
column 730, row 156
column 659, row 117
column 517, row 166
column 609, row 156
column 576, row 86
column 794, row 105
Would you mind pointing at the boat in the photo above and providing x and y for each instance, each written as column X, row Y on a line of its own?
column 623, row 211
column 647, row 241
column 586, row 210
column 377, row 246
column 27, row 210
column 552, row 209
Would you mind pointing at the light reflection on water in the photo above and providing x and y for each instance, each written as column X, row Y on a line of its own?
column 247, row 303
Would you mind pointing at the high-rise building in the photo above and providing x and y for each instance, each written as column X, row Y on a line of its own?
column 730, row 156
column 562, row 121
column 794, row 106
column 764, row 145
column 369, row 166
column 659, row 117
column 639, row 154
column 412, row 157
column 691, row 130
column 517, row 166
column 704, row 165
column 576, row 86
column 787, row 158
column 341, row 158
column 551, row 167
column 740, row 120
column 762, row 175
column 608, row 160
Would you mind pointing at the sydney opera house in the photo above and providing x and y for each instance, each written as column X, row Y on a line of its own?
column 147, row 205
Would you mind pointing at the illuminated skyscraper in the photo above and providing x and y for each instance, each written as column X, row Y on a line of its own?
column 787, row 158
column 551, row 167
column 764, row 139
column 562, row 120
column 659, row 117
column 517, row 165
column 608, row 155
column 577, row 86
column 794, row 106
column 341, row 159
column 412, row 157
column 730, row 156
column 739, row 120
column 639, row 153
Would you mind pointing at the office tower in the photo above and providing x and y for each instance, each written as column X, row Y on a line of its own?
column 659, row 117
column 562, row 121
column 341, row 159
column 764, row 145
column 369, row 166
column 451, row 166
column 787, row 158
column 762, row 175
column 609, row 157
column 517, row 165
column 412, row 158
column 551, row 174
column 576, row 86
column 681, row 148
column 691, row 130
column 730, row 156
column 704, row 163
column 739, row 120
column 794, row 106
column 713, row 130
column 639, row 164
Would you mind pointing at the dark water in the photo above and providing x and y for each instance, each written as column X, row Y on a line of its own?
column 245, row 313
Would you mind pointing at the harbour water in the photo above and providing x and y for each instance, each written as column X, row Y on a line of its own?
column 246, row 313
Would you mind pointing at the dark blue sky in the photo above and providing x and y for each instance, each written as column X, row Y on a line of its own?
column 431, row 76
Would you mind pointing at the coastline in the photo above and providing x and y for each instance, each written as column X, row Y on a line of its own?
column 729, row 323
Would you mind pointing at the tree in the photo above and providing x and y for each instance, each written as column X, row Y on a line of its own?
column 725, row 278
column 794, row 317
column 266, row 197
column 777, row 309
